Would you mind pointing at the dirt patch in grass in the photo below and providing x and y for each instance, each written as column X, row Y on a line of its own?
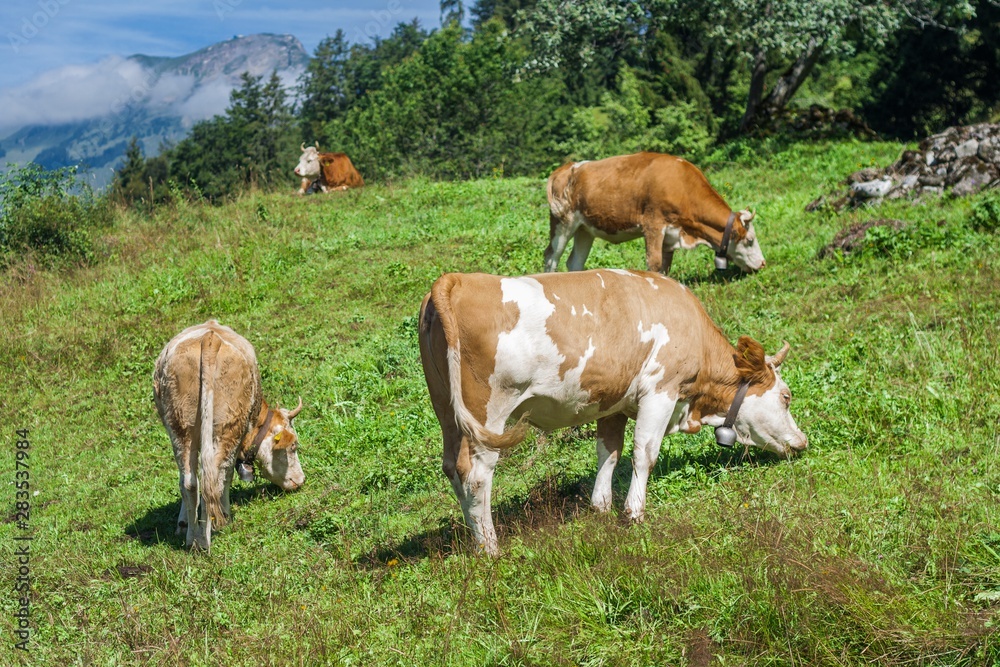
column 127, row 571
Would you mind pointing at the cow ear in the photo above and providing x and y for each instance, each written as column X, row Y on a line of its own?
column 751, row 361
column 282, row 440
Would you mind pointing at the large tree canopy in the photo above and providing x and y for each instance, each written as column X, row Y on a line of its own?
column 767, row 36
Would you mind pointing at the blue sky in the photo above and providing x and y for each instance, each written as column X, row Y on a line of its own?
column 41, row 35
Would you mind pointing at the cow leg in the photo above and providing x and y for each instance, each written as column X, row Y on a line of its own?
column 189, row 498
column 654, row 248
column 470, row 470
column 478, row 486
column 228, row 444
column 610, row 437
column 668, row 258
column 228, row 484
column 187, row 519
column 651, row 422
column 582, row 241
column 559, row 234
column 186, row 456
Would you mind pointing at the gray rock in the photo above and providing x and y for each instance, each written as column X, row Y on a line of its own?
column 909, row 182
column 976, row 177
column 989, row 150
column 872, row 189
column 966, row 148
column 864, row 175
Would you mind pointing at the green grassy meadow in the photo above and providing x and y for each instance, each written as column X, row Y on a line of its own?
column 880, row 545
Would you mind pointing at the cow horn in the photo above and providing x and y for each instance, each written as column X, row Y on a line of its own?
column 317, row 144
column 293, row 413
column 779, row 357
column 303, row 147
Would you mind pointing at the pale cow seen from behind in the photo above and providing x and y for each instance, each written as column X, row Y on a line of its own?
column 326, row 172
column 563, row 349
column 663, row 199
column 207, row 389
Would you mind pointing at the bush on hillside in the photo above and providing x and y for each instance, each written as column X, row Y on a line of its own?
column 49, row 214
column 624, row 124
column 986, row 212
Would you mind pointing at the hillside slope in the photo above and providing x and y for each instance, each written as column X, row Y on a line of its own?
column 879, row 545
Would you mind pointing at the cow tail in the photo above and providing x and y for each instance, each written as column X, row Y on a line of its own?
column 467, row 423
column 208, row 467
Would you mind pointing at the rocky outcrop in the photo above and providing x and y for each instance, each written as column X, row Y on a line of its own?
column 961, row 160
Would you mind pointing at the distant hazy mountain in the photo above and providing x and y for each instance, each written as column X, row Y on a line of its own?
column 156, row 99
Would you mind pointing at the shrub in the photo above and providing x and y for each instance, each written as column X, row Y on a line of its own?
column 623, row 123
column 49, row 214
column 986, row 212
column 902, row 243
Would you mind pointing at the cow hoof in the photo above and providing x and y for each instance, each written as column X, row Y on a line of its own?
column 635, row 517
column 603, row 508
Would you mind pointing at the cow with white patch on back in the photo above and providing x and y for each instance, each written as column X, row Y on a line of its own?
column 326, row 172
column 661, row 198
column 207, row 389
column 563, row 349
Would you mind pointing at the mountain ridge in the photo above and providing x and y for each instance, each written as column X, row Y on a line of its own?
column 166, row 96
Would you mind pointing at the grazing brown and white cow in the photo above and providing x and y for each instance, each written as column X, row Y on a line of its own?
column 562, row 349
column 664, row 199
column 207, row 389
column 326, row 171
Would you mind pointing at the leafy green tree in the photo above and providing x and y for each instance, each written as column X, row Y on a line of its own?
column 504, row 10
column 789, row 37
column 581, row 38
column 324, row 87
column 452, row 10
column 624, row 124
column 454, row 110
column 938, row 75
column 780, row 41
column 252, row 145
column 340, row 76
column 128, row 182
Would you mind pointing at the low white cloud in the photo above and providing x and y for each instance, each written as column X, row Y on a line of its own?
column 170, row 90
column 112, row 86
column 209, row 99
column 70, row 94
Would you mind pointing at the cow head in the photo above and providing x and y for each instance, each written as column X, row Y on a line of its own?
column 278, row 456
column 308, row 166
column 764, row 419
column 743, row 248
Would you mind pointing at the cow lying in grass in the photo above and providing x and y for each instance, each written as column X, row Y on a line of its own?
column 558, row 350
column 207, row 389
column 326, row 172
column 664, row 199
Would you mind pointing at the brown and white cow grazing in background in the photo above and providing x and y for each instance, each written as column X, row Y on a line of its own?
column 662, row 198
column 327, row 171
column 207, row 390
column 557, row 350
